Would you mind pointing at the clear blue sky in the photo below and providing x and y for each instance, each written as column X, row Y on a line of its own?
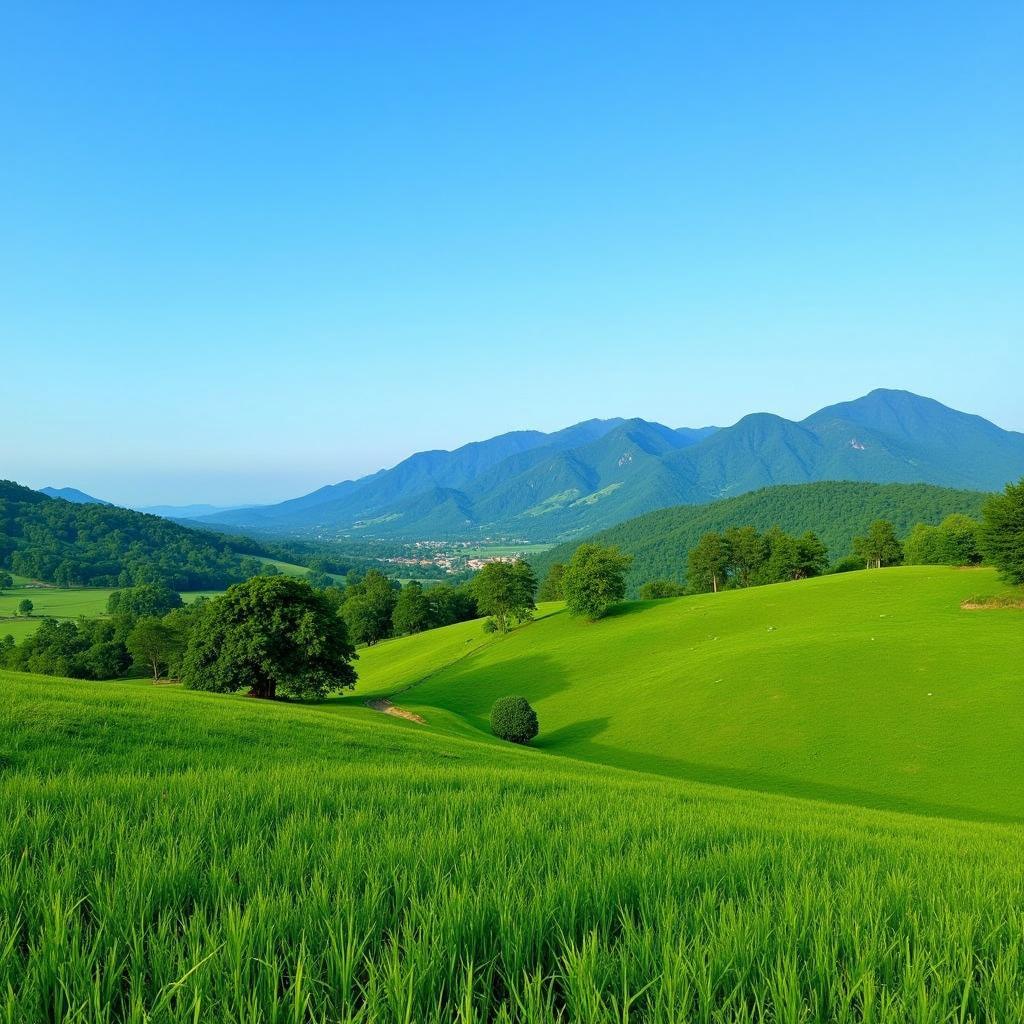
column 248, row 249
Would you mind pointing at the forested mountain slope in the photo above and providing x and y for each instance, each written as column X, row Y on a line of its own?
column 835, row 511
column 102, row 545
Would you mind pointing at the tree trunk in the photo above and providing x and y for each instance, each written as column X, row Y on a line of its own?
column 714, row 582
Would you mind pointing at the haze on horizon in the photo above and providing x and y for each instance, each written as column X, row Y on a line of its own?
column 247, row 253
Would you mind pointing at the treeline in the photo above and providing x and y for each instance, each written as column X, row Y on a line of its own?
column 375, row 607
column 743, row 556
column 149, row 625
column 836, row 511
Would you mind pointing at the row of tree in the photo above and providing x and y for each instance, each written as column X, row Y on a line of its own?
column 741, row 556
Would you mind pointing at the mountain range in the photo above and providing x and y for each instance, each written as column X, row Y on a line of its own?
column 544, row 487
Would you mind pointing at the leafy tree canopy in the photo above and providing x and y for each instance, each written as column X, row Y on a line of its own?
column 1002, row 532
column 505, row 591
column 879, row 546
column 594, row 580
column 514, row 719
column 271, row 635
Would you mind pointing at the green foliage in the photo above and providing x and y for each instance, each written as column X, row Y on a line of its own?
column 101, row 545
column 450, row 604
column 743, row 557
column 155, row 644
column 656, row 589
column 514, row 720
column 147, row 600
column 505, row 591
column 6, row 581
column 25, row 606
column 86, row 649
column 412, row 610
column 368, row 607
column 551, row 589
column 270, row 635
column 594, row 580
column 953, row 542
column 835, row 511
column 1002, row 532
column 879, row 546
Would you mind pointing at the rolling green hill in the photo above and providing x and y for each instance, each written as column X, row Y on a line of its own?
column 171, row 856
column 872, row 687
column 836, row 511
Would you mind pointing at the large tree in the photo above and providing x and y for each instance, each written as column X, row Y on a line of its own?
column 707, row 564
column 1002, row 532
column 879, row 546
column 6, row 581
column 594, row 580
column 273, row 635
column 505, row 591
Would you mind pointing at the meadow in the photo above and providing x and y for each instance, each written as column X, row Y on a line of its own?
column 873, row 688
column 59, row 603
column 172, row 856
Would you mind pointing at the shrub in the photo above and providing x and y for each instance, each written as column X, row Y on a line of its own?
column 514, row 720
column 656, row 589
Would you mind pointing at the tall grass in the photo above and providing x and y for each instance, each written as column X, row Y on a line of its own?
column 169, row 856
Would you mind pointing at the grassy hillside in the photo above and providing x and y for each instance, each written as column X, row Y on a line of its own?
column 872, row 687
column 836, row 511
column 58, row 603
column 170, row 856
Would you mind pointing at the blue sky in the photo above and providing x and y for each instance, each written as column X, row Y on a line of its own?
column 248, row 249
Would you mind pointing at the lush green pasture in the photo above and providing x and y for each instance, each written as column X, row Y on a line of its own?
column 870, row 687
column 58, row 603
column 176, row 856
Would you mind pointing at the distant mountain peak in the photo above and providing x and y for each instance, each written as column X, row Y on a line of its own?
column 599, row 472
column 72, row 494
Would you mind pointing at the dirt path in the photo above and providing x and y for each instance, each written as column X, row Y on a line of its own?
column 385, row 707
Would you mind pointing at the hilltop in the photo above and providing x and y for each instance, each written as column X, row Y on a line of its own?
column 72, row 494
column 835, row 511
column 870, row 687
column 588, row 477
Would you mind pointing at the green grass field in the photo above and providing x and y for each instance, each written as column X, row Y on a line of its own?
column 173, row 856
column 176, row 856
column 873, row 688
column 54, row 602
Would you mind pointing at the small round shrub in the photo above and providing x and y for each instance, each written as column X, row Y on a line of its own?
column 514, row 720
column 490, row 626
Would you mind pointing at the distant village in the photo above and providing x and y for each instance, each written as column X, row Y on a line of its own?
column 447, row 556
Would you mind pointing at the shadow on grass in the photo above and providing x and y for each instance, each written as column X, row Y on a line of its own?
column 564, row 742
column 575, row 732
